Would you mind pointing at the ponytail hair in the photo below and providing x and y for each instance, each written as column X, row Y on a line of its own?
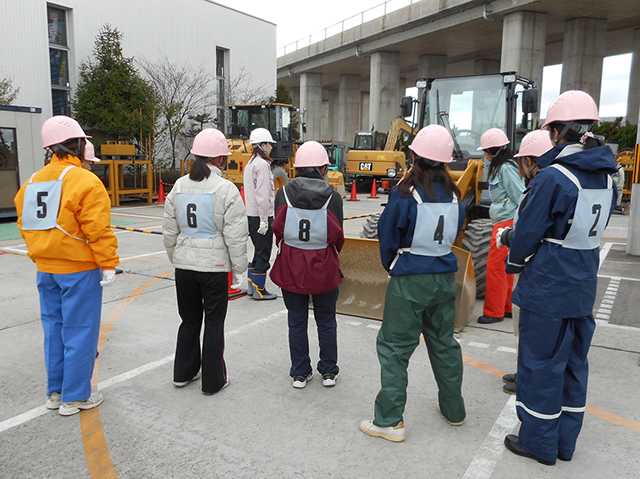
column 199, row 169
column 578, row 132
column 500, row 155
column 423, row 174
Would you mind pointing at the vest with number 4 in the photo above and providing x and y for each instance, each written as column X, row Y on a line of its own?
column 305, row 229
column 42, row 204
column 590, row 216
column 194, row 212
column 436, row 228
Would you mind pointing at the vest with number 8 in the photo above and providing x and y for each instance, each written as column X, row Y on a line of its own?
column 305, row 229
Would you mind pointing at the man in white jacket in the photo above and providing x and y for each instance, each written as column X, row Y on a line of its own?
column 205, row 235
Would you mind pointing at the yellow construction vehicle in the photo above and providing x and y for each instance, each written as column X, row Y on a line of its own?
column 629, row 161
column 381, row 155
column 275, row 117
column 466, row 106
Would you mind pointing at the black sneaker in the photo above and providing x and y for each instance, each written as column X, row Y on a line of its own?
column 299, row 382
column 510, row 378
column 511, row 441
column 489, row 319
column 510, row 388
column 329, row 380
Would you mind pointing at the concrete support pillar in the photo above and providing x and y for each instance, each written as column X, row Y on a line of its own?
column 324, row 123
column 402, row 91
column 583, row 51
column 481, row 67
column 385, row 84
column 349, row 109
column 633, row 101
column 364, row 111
column 311, row 101
column 295, row 95
column 334, row 115
column 432, row 66
column 523, row 45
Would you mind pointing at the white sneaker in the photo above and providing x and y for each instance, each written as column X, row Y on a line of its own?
column 301, row 381
column 71, row 408
column 181, row 384
column 53, row 401
column 329, row 380
column 391, row 433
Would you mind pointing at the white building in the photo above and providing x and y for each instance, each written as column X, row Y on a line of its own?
column 43, row 43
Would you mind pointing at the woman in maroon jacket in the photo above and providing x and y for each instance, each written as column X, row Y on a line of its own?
column 309, row 235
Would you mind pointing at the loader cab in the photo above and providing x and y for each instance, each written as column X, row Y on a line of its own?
column 369, row 140
column 468, row 106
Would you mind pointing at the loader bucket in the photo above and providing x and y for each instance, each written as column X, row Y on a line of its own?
column 336, row 179
column 364, row 286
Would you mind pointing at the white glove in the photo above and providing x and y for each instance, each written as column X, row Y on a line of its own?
column 238, row 279
column 502, row 233
column 264, row 226
column 108, row 277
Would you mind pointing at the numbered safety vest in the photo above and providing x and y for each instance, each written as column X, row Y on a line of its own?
column 42, row 205
column 436, row 228
column 195, row 214
column 305, row 229
column 590, row 217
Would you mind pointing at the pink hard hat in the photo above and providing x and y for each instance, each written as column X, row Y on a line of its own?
column 210, row 143
column 311, row 153
column 535, row 143
column 572, row 105
column 59, row 129
column 493, row 138
column 434, row 143
column 90, row 152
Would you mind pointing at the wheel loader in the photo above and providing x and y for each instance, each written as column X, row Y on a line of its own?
column 467, row 107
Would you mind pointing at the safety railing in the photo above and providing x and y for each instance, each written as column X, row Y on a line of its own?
column 347, row 24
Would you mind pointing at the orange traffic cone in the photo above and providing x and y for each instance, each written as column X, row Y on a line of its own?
column 374, row 190
column 160, row 193
column 242, row 194
column 232, row 292
column 354, row 195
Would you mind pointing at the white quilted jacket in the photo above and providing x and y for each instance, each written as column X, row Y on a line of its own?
column 228, row 250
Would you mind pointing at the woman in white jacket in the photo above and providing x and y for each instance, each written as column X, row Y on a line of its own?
column 205, row 235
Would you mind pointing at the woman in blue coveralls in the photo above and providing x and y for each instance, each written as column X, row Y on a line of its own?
column 417, row 229
column 556, row 246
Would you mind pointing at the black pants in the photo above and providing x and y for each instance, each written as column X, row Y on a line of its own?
column 262, row 245
column 200, row 293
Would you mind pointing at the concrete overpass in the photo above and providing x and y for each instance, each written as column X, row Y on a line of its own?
column 354, row 76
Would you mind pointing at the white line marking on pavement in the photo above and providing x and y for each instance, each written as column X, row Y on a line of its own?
column 41, row 410
column 373, row 326
column 478, row 345
column 113, row 213
column 607, row 324
column 352, row 323
column 15, row 250
column 604, row 252
column 486, row 458
column 618, row 277
column 507, row 350
column 122, row 260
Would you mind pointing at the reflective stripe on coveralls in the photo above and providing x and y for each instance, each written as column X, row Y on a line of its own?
column 589, row 219
column 305, row 229
column 42, row 205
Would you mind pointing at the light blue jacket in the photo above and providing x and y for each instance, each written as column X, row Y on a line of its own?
column 505, row 188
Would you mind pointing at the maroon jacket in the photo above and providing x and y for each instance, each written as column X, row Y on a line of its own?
column 308, row 271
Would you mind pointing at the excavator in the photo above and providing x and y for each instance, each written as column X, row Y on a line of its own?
column 466, row 106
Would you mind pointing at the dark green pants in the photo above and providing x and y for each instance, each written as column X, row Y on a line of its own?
column 414, row 304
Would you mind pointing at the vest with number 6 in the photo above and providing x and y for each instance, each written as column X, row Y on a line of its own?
column 42, row 204
column 195, row 214
column 590, row 216
column 305, row 229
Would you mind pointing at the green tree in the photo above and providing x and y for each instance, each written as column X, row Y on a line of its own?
column 624, row 135
column 7, row 93
column 112, row 101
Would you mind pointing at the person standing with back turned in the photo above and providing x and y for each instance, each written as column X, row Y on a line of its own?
column 308, row 229
column 64, row 215
column 556, row 246
column 259, row 193
column 417, row 229
column 205, row 235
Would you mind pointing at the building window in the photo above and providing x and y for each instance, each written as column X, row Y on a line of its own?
column 59, row 60
column 221, row 60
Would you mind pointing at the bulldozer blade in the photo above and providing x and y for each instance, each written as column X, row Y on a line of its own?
column 363, row 289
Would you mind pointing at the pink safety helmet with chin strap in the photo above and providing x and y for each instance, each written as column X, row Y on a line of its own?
column 310, row 154
column 535, row 144
column 434, row 143
column 493, row 138
column 572, row 105
column 210, row 143
column 59, row 129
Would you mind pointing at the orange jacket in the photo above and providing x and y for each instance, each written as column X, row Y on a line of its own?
column 85, row 212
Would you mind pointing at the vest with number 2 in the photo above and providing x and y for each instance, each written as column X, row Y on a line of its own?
column 590, row 216
column 195, row 214
column 436, row 228
column 42, row 204
column 305, row 229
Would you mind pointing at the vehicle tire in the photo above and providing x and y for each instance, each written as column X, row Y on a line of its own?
column 476, row 241
column 280, row 177
column 370, row 228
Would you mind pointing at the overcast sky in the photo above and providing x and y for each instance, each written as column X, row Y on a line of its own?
column 297, row 19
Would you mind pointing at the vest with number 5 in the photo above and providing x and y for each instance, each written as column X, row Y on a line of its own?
column 305, row 229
